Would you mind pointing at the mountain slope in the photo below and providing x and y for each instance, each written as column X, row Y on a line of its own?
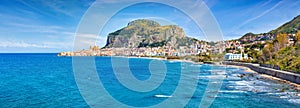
column 148, row 33
column 288, row 27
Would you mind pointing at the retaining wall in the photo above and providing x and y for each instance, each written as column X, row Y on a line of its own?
column 292, row 77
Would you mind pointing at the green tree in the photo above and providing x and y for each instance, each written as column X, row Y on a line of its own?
column 282, row 40
column 297, row 39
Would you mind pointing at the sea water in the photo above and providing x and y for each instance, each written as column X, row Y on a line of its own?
column 45, row 80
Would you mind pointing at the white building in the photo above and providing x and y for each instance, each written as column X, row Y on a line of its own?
column 230, row 56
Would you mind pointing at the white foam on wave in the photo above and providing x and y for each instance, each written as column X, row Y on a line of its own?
column 162, row 96
column 244, row 83
column 297, row 101
column 211, row 76
column 262, row 82
column 282, row 93
column 175, row 61
column 233, row 70
column 283, row 97
column 232, row 78
column 215, row 82
column 196, row 65
column 218, row 72
column 228, row 96
column 232, row 91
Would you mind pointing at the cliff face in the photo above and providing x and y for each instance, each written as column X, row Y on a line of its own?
column 147, row 33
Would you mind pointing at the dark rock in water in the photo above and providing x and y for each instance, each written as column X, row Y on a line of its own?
column 252, row 75
column 282, row 90
column 242, row 76
column 148, row 33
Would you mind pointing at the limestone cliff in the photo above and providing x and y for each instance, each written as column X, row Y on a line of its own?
column 147, row 33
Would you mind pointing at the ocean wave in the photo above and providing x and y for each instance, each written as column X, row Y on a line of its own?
column 211, row 76
column 262, row 82
column 282, row 93
column 228, row 97
column 232, row 91
column 245, row 83
column 297, row 101
column 162, row 96
column 227, row 77
column 174, row 61
column 196, row 65
column 283, row 97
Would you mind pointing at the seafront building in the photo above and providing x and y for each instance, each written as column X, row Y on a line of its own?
column 231, row 56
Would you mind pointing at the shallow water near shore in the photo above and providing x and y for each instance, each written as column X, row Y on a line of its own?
column 45, row 80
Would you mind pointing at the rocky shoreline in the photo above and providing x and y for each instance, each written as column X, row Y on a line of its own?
column 250, row 68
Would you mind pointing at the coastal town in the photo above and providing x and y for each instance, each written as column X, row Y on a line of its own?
column 157, row 53
column 235, row 49
column 192, row 50
column 278, row 49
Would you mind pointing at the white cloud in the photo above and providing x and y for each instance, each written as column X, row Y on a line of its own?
column 21, row 44
column 29, row 45
column 58, row 6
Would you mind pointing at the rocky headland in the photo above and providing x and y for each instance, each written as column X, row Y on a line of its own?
column 144, row 37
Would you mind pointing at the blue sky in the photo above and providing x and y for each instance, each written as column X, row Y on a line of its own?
column 49, row 25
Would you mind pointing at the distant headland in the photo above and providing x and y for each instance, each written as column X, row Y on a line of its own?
column 147, row 38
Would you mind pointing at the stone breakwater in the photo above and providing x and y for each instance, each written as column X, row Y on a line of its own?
column 292, row 77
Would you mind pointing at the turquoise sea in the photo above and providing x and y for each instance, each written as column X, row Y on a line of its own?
column 45, row 80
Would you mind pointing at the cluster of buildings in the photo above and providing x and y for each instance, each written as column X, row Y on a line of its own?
column 238, row 46
column 191, row 50
column 291, row 39
column 250, row 37
column 234, row 48
column 203, row 48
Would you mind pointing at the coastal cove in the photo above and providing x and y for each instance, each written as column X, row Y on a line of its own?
column 289, row 78
column 283, row 75
column 51, row 80
column 133, row 48
column 150, row 54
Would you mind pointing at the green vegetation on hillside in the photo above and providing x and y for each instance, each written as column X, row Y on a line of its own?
column 288, row 27
column 155, row 44
column 278, row 53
